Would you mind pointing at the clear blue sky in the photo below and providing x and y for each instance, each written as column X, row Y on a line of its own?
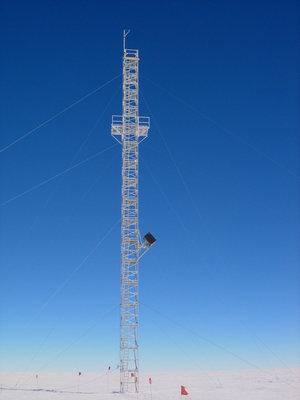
column 219, row 183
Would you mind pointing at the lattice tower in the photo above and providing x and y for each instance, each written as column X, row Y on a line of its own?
column 130, row 129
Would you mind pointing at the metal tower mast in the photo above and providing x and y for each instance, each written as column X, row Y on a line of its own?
column 130, row 129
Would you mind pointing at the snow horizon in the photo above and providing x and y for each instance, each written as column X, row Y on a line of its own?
column 271, row 384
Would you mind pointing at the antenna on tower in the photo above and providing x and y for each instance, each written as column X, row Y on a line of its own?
column 125, row 33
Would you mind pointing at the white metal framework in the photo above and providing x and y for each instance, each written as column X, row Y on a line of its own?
column 129, row 129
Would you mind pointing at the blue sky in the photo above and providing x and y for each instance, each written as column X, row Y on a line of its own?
column 219, row 184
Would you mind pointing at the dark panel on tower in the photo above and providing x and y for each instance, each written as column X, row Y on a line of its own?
column 149, row 239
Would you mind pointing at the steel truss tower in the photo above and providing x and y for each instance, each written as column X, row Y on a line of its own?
column 130, row 129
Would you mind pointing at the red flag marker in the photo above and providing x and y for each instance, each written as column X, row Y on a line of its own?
column 150, row 383
column 79, row 374
column 108, row 379
column 132, row 374
column 183, row 391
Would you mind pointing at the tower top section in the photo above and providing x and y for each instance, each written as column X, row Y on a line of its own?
column 130, row 123
column 129, row 54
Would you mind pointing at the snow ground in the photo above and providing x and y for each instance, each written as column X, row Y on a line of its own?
column 271, row 384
